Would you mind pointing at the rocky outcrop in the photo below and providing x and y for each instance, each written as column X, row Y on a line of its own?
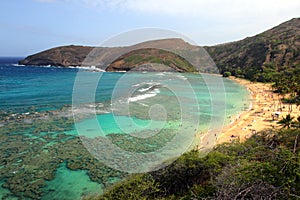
column 59, row 56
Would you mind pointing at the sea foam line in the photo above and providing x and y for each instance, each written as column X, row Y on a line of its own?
column 144, row 96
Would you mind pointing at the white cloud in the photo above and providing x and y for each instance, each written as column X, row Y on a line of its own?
column 185, row 8
column 207, row 21
column 231, row 16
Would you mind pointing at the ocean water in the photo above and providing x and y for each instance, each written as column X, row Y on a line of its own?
column 48, row 116
column 70, row 184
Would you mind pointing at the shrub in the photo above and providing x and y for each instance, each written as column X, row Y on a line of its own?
column 226, row 74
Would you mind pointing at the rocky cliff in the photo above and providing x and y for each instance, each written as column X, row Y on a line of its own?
column 59, row 56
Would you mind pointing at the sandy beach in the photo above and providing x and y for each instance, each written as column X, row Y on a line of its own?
column 261, row 114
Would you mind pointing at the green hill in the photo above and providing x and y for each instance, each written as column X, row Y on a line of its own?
column 259, row 57
column 151, row 60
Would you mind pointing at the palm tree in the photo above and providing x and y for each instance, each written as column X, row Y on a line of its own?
column 286, row 121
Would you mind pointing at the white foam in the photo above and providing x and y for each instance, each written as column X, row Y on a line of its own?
column 146, row 83
column 161, row 74
column 92, row 68
column 141, row 97
column 45, row 66
column 145, row 105
column 17, row 65
column 145, row 89
column 144, row 96
column 182, row 77
column 156, row 90
column 143, row 83
column 149, row 91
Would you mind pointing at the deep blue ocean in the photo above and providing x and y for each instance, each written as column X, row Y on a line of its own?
column 45, row 87
column 52, row 117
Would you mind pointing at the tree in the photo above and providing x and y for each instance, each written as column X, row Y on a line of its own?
column 226, row 74
column 286, row 121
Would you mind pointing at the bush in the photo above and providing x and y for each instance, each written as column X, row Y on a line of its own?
column 137, row 187
column 226, row 74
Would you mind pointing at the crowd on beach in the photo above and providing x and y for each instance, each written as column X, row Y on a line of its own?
column 265, row 110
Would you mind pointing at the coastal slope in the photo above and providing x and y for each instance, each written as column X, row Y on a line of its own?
column 273, row 50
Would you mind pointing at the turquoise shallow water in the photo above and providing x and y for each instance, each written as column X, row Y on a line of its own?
column 70, row 185
column 42, row 155
column 111, row 124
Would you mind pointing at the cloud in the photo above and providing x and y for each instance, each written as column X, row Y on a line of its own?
column 229, row 8
column 207, row 21
column 229, row 17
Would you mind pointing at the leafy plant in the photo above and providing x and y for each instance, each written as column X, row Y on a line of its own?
column 226, row 74
column 286, row 121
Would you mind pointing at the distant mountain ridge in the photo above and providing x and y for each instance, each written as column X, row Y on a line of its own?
column 275, row 49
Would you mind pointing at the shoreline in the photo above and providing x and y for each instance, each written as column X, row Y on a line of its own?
column 258, row 117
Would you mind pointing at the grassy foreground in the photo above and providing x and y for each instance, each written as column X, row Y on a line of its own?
column 266, row 166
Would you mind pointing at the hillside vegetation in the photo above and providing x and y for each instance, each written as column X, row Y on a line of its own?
column 145, row 60
column 266, row 166
column 262, row 57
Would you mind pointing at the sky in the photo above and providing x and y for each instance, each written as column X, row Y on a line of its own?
column 30, row 26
